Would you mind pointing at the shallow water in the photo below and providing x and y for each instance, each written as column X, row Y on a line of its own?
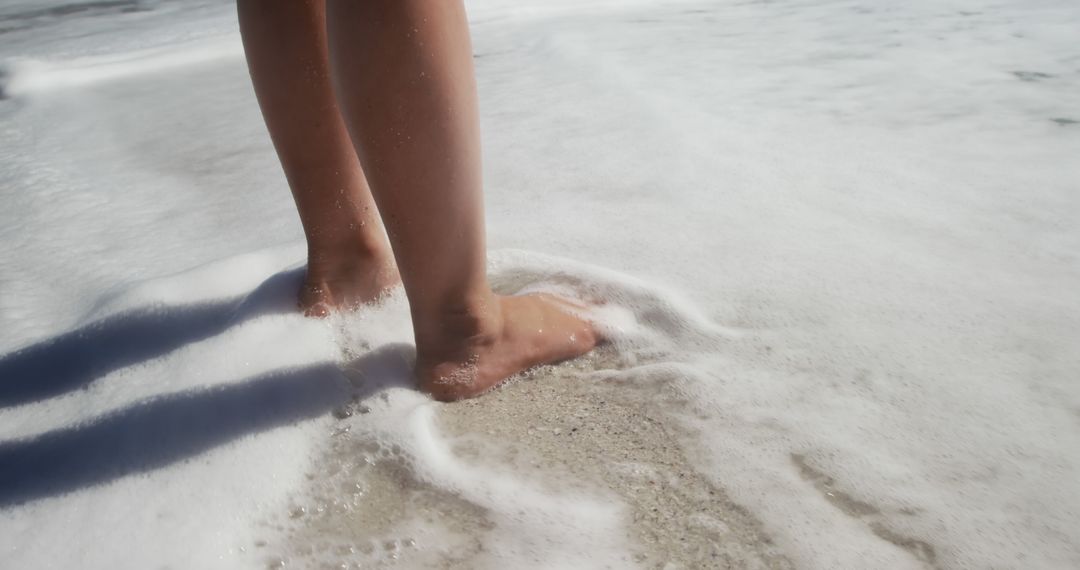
column 567, row 435
column 834, row 243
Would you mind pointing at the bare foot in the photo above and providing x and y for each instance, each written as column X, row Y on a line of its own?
column 339, row 280
column 521, row 333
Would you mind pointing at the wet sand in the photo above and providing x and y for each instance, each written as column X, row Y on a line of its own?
column 570, row 430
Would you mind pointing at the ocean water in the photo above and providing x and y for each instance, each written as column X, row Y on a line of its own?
column 835, row 244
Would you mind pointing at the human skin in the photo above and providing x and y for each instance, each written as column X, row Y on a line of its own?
column 389, row 112
column 349, row 259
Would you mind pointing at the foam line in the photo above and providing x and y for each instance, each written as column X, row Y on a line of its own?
column 23, row 76
column 530, row 522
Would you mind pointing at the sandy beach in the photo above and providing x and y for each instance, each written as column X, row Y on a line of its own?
column 832, row 246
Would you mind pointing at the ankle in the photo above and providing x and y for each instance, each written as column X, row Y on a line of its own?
column 330, row 258
column 453, row 330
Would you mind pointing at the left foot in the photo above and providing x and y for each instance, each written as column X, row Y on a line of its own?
column 345, row 280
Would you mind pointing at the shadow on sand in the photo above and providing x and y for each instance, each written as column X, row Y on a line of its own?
column 163, row 430
column 75, row 359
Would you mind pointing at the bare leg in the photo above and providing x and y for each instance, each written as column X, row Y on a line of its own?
column 349, row 261
column 404, row 76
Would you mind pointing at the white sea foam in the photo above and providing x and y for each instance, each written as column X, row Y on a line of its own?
column 834, row 243
column 22, row 77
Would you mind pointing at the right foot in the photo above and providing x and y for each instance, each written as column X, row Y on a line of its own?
column 345, row 281
column 521, row 332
